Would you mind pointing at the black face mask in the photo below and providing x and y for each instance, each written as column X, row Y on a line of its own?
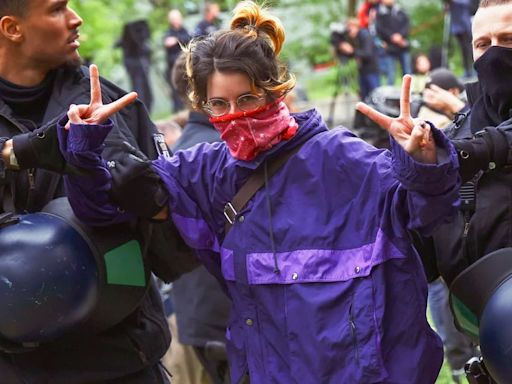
column 494, row 70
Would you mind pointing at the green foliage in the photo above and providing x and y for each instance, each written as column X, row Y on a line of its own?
column 322, row 85
column 104, row 20
column 307, row 23
column 427, row 26
column 307, row 28
column 428, row 21
column 309, row 40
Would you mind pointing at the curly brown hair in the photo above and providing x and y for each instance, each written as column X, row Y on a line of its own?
column 251, row 46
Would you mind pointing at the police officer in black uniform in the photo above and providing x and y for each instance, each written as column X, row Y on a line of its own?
column 472, row 253
column 40, row 75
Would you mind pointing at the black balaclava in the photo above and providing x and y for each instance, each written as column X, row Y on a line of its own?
column 494, row 106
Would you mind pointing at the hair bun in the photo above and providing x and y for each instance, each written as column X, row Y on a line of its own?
column 255, row 20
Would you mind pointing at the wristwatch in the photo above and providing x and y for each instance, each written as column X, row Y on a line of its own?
column 2, row 164
column 13, row 161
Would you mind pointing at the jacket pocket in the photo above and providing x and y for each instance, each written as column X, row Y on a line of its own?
column 332, row 334
column 147, row 329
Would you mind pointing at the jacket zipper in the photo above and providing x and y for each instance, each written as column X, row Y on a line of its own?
column 465, row 251
column 467, row 215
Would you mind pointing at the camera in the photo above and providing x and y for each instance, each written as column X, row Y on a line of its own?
column 339, row 29
column 339, row 34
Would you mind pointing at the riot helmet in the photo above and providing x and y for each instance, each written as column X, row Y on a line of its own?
column 481, row 300
column 60, row 277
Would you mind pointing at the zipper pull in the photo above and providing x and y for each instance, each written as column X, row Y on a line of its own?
column 466, row 229
column 467, row 219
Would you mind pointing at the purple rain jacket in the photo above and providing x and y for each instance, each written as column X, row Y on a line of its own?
column 325, row 284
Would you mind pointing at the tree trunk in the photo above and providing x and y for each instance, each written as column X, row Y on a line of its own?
column 352, row 7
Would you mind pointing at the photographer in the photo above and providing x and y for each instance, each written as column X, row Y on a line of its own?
column 339, row 36
column 358, row 43
column 443, row 98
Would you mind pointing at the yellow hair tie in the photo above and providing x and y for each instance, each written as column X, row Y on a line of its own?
column 250, row 28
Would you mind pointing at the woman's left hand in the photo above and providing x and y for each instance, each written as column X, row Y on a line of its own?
column 413, row 135
column 96, row 112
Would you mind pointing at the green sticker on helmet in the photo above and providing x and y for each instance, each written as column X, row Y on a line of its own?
column 466, row 319
column 124, row 265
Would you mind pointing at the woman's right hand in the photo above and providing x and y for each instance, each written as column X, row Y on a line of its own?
column 96, row 112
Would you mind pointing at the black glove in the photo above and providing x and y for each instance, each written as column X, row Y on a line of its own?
column 136, row 187
column 40, row 149
column 488, row 150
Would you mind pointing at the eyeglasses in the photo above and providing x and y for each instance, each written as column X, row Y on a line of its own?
column 246, row 103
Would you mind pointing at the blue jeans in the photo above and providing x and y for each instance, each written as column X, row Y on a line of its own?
column 367, row 83
column 386, row 68
column 404, row 58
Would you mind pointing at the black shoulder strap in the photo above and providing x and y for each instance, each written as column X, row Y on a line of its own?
column 253, row 184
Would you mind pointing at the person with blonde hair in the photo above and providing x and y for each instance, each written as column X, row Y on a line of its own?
column 325, row 284
column 46, row 296
column 210, row 22
column 175, row 37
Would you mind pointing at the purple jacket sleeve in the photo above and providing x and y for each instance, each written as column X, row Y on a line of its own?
column 88, row 195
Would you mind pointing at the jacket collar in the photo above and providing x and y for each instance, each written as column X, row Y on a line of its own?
column 474, row 91
column 393, row 10
column 70, row 84
column 310, row 124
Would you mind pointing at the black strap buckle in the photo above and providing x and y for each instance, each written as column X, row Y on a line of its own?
column 230, row 213
column 476, row 373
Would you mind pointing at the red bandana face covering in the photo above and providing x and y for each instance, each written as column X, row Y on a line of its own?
column 249, row 133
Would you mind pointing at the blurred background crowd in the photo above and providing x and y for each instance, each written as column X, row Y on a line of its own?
column 146, row 34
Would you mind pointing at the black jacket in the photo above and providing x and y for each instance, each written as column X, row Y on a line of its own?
column 483, row 224
column 365, row 53
column 205, row 28
column 143, row 337
column 201, row 306
column 390, row 21
column 172, row 53
column 197, row 130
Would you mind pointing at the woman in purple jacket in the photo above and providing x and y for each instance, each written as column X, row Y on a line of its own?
column 325, row 284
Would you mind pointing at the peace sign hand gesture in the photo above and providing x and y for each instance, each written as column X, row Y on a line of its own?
column 414, row 136
column 95, row 112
